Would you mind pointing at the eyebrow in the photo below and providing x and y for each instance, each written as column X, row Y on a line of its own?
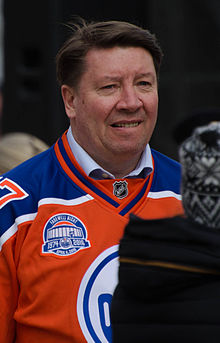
column 146, row 75
column 110, row 78
column 116, row 78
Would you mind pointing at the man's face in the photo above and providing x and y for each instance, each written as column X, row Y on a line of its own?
column 113, row 111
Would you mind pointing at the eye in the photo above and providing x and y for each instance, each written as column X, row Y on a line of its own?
column 108, row 89
column 144, row 83
column 109, row 86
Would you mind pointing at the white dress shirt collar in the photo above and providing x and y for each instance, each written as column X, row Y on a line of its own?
column 90, row 167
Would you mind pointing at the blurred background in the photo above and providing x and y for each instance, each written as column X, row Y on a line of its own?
column 31, row 33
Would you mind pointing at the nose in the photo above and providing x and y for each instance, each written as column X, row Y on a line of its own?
column 129, row 100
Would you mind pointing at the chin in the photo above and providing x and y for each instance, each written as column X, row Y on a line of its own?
column 128, row 150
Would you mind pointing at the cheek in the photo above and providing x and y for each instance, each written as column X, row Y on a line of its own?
column 99, row 112
column 152, row 105
column 94, row 109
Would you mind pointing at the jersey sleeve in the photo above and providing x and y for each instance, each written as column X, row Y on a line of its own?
column 8, row 291
column 11, row 198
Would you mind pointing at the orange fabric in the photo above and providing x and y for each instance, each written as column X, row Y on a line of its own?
column 46, row 296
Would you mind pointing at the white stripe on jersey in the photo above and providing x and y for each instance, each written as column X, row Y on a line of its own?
column 14, row 228
column 164, row 194
column 71, row 202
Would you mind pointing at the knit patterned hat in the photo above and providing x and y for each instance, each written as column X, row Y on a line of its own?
column 200, row 158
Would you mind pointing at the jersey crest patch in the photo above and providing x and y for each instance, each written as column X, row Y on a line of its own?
column 63, row 235
column 120, row 189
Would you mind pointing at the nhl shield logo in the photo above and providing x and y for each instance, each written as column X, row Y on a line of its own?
column 120, row 189
column 64, row 234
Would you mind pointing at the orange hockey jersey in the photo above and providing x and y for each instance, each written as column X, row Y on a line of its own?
column 59, row 235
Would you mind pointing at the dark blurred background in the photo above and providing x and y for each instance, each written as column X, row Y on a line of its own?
column 188, row 31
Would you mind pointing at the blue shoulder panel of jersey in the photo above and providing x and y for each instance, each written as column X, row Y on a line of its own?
column 167, row 173
column 23, row 187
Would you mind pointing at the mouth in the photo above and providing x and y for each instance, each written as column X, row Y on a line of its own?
column 127, row 125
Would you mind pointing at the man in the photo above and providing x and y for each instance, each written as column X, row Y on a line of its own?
column 64, row 211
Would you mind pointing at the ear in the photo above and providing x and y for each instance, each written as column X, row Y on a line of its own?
column 68, row 99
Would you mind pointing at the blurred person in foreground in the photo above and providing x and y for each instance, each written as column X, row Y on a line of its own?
column 16, row 147
column 64, row 211
column 169, row 273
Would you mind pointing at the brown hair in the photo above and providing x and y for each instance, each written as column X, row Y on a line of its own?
column 70, row 60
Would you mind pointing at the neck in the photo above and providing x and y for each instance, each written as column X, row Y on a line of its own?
column 118, row 167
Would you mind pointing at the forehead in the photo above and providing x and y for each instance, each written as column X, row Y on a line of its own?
column 118, row 59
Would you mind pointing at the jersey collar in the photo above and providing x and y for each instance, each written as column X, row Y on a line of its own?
column 92, row 169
